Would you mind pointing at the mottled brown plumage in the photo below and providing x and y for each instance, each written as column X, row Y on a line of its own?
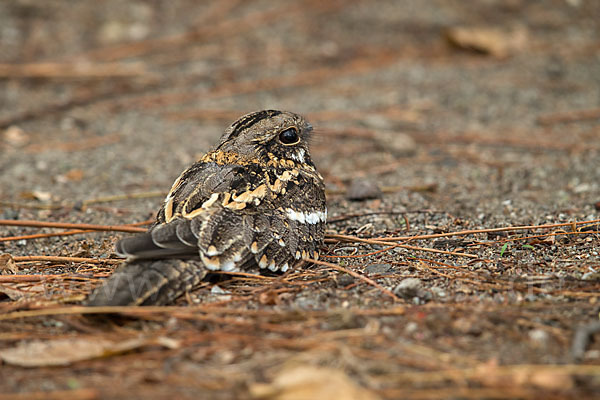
column 255, row 200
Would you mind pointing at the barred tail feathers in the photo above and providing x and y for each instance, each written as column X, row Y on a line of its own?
column 148, row 282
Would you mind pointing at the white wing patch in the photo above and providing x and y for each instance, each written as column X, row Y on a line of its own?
column 312, row 217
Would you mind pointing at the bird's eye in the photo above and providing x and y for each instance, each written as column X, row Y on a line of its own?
column 289, row 136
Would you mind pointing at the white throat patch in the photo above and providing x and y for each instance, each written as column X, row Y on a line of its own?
column 312, row 217
column 298, row 156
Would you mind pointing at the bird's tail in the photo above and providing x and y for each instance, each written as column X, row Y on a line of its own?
column 148, row 282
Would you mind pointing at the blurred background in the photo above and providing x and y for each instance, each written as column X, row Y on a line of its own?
column 101, row 98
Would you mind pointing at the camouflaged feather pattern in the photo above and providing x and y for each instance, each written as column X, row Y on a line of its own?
column 254, row 200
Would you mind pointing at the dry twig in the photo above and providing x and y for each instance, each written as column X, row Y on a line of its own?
column 63, row 225
column 348, row 238
column 490, row 230
column 72, row 70
column 67, row 259
column 356, row 275
column 569, row 116
column 75, row 394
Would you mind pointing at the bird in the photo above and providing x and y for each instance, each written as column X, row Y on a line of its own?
column 253, row 202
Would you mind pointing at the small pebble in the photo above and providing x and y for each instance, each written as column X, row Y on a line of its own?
column 217, row 290
column 362, row 189
column 345, row 280
column 15, row 136
column 408, row 288
column 411, row 327
column 378, row 268
column 538, row 336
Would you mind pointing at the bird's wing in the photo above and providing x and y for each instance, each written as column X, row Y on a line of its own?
column 222, row 214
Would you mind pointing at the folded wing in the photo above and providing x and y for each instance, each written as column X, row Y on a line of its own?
column 224, row 216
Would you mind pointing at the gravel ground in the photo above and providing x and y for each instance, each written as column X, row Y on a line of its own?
column 431, row 117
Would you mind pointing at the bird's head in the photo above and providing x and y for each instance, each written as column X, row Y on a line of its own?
column 267, row 134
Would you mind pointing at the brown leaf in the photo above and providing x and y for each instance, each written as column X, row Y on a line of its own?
column 310, row 382
column 36, row 195
column 63, row 352
column 548, row 240
column 499, row 43
column 73, row 175
column 7, row 264
column 16, row 291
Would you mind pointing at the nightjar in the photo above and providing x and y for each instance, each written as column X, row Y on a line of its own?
column 256, row 201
